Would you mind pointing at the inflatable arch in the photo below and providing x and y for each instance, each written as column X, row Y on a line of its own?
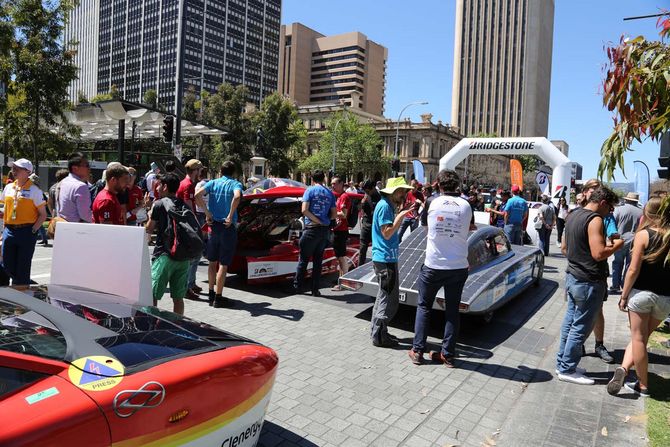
column 540, row 146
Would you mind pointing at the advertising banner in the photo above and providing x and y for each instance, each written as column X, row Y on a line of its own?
column 419, row 172
column 516, row 173
column 642, row 181
column 542, row 180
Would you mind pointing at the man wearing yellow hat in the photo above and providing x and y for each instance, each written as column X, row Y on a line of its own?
column 385, row 243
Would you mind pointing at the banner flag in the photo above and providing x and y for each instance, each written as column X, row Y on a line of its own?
column 641, row 181
column 419, row 172
column 516, row 172
column 542, row 180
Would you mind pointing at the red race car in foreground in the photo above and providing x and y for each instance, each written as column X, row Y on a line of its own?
column 80, row 368
column 270, row 225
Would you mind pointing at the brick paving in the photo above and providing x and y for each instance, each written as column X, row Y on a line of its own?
column 334, row 388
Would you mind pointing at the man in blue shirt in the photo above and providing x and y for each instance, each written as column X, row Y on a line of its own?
column 225, row 194
column 318, row 207
column 516, row 213
column 385, row 244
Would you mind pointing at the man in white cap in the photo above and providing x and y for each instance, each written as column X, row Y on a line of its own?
column 385, row 243
column 627, row 218
column 24, row 213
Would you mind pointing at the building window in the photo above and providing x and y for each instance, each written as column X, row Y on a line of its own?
column 415, row 149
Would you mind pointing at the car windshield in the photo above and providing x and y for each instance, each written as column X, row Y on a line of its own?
column 270, row 183
column 26, row 332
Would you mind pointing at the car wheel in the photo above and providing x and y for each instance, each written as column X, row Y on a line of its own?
column 538, row 269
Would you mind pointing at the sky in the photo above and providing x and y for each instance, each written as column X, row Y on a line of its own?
column 420, row 40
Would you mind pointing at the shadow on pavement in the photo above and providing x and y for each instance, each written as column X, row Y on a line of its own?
column 273, row 435
column 258, row 309
column 476, row 336
column 520, row 374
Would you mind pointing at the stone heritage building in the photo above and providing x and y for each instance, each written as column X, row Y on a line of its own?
column 425, row 141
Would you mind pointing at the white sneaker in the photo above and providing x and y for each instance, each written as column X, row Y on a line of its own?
column 577, row 378
column 578, row 369
column 558, row 244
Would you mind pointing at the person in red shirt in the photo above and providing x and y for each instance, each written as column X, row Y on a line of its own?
column 186, row 193
column 106, row 206
column 135, row 200
column 341, row 230
column 413, row 202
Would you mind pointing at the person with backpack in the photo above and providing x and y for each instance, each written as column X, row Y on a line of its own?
column 177, row 239
column 225, row 194
column 343, row 206
column 186, row 193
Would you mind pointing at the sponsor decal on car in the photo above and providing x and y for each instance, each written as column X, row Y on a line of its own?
column 49, row 392
column 96, row 373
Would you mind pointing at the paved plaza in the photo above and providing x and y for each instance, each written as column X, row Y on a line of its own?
column 333, row 388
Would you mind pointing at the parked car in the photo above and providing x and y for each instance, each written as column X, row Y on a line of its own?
column 79, row 367
column 498, row 271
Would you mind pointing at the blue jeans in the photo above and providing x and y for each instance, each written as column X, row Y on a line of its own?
column 430, row 282
column 18, row 247
column 514, row 233
column 312, row 244
column 585, row 299
column 412, row 224
column 620, row 265
column 543, row 236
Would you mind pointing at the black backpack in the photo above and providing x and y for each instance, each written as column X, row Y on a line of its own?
column 183, row 238
column 352, row 217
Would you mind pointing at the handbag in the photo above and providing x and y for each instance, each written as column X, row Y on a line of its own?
column 51, row 230
column 538, row 222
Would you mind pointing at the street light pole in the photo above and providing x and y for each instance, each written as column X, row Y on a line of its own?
column 397, row 129
column 337, row 123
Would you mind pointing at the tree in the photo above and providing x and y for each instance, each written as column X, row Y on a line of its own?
column 150, row 98
column 637, row 89
column 189, row 111
column 226, row 110
column 43, row 64
column 283, row 134
column 358, row 148
column 81, row 97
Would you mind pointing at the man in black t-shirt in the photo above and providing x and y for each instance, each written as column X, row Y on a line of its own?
column 368, row 205
column 164, row 269
column 585, row 280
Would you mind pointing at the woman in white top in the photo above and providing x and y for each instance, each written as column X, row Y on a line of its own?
column 563, row 211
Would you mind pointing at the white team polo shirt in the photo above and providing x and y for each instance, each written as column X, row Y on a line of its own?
column 449, row 220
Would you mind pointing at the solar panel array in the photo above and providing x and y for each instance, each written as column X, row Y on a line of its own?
column 412, row 255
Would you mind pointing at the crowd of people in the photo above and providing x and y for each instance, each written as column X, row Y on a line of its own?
column 194, row 216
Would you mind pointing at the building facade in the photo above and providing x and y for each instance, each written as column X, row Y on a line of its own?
column 318, row 69
column 502, row 67
column 134, row 45
column 425, row 141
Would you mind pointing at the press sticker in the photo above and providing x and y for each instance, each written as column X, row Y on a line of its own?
column 49, row 392
column 96, row 373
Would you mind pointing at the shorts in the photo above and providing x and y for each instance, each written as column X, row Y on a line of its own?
column 340, row 243
column 165, row 270
column 646, row 302
column 222, row 243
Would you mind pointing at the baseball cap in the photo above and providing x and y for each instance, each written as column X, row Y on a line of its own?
column 515, row 188
column 193, row 164
column 22, row 163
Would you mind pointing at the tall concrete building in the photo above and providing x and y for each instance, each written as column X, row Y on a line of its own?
column 502, row 67
column 134, row 45
column 318, row 69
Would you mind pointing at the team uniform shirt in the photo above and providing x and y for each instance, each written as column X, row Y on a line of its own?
column 205, row 197
column 515, row 208
column 343, row 203
column 106, row 207
column 321, row 200
column 22, row 203
column 384, row 250
column 135, row 200
column 221, row 192
column 448, row 219
column 186, row 191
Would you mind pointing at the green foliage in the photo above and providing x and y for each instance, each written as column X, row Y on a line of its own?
column 40, row 68
column 283, row 134
column 636, row 89
column 81, row 98
column 101, row 97
column 150, row 98
column 225, row 109
column 358, row 148
column 528, row 162
column 189, row 111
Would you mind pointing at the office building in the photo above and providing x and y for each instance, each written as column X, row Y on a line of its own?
column 134, row 45
column 502, row 67
column 318, row 69
column 576, row 170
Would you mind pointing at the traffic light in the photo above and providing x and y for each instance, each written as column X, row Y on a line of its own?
column 664, row 157
column 168, row 128
column 395, row 165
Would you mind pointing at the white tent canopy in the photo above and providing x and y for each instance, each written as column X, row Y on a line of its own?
column 100, row 121
column 539, row 146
